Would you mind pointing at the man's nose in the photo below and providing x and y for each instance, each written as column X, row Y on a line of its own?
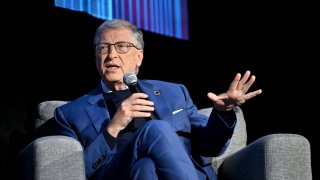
column 112, row 52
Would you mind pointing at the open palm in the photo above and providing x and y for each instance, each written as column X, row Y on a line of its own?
column 236, row 94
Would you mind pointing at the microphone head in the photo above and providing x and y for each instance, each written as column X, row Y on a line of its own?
column 130, row 78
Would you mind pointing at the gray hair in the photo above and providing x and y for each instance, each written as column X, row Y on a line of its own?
column 120, row 24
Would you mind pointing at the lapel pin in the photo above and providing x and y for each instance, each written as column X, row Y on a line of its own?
column 156, row 92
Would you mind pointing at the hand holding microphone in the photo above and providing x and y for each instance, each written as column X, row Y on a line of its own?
column 131, row 80
column 135, row 106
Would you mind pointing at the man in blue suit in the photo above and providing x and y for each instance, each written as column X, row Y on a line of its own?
column 111, row 122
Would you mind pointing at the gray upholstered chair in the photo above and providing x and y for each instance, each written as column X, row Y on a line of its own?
column 272, row 157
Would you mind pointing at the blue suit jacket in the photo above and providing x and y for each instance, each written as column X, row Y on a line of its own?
column 85, row 119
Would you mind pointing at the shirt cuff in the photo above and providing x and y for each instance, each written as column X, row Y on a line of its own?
column 228, row 117
column 111, row 141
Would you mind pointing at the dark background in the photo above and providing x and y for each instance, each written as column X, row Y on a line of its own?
column 48, row 55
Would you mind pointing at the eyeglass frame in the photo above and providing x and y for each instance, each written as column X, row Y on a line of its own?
column 114, row 44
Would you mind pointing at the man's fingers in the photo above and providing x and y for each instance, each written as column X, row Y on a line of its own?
column 243, row 80
column 140, row 95
column 253, row 94
column 234, row 84
column 249, row 83
column 143, row 102
column 212, row 97
column 142, row 108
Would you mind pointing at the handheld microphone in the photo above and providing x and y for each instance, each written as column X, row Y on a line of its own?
column 131, row 80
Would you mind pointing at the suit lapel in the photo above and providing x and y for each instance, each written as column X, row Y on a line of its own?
column 98, row 112
column 160, row 103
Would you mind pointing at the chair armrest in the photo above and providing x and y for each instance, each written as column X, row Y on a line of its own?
column 52, row 157
column 237, row 142
column 275, row 156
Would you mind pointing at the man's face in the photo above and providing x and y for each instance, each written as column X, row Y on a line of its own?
column 113, row 65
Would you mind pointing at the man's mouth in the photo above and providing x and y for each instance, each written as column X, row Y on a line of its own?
column 112, row 66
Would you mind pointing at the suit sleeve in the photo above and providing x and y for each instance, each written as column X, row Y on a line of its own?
column 208, row 135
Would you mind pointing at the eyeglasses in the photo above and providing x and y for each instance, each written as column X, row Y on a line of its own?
column 121, row 47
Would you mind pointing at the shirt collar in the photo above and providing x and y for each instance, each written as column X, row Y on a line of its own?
column 105, row 89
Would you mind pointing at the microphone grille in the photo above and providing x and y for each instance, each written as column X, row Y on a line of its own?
column 130, row 78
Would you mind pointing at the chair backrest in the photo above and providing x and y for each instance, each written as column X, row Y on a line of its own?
column 46, row 109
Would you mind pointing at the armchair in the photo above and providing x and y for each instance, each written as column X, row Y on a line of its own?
column 272, row 157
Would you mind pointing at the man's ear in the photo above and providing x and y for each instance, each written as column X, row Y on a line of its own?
column 140, row 58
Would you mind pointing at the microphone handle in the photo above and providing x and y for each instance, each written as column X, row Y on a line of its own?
column 135, row 88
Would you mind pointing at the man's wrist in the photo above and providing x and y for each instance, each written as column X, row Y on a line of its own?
column 112, row 131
